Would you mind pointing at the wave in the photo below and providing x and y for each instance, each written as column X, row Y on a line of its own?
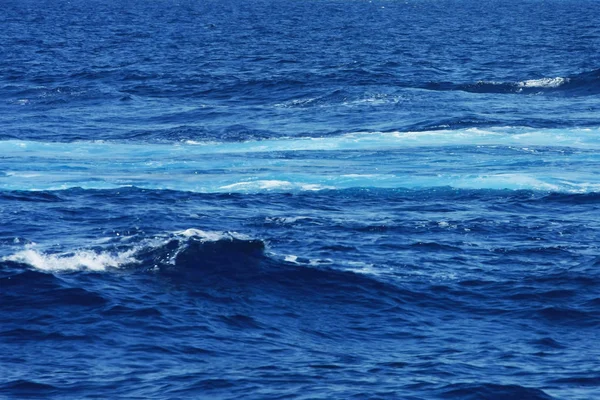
column 198, row 259
column 191, row 253
column 583, row 84
column 345, row 98
column 184, row 252
column 55, row 95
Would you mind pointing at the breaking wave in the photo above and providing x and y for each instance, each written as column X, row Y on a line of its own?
column 199, row 260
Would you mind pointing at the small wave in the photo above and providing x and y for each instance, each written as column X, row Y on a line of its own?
column 197, row 134
column 286, row 220
column 586, row 83
column 44, row 95
column 35, row 197
column 548, row 342
column 342, row 98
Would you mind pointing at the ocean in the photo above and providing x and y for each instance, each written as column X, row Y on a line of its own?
column 301, row 199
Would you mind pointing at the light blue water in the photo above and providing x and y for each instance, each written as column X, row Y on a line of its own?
column 500, row 158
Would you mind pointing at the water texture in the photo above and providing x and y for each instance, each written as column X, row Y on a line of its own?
column 306, row 199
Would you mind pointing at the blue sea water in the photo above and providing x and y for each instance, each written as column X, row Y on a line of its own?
column 305, row 199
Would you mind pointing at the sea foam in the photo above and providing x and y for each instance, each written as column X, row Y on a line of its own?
column 73, row 261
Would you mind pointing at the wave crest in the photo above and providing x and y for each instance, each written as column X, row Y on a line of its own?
column 194, row 251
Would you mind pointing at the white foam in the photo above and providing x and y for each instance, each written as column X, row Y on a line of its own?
column 361, row 267
column 314, row 187
column 298, row 103
column 79, row 260
column 208, row 236
column 373, row 100
column 509, row 181
column 272, row 185
column 260, row 184
column 291, row 259
column 544, row 82
column 203, row 235
column 285, row 220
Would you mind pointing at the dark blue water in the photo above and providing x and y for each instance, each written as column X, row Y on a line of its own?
column 302, row 199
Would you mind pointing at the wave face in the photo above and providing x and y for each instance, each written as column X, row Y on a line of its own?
column 269, row 199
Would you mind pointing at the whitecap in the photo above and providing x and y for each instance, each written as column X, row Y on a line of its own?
column 544, row 82
column 206, row 236
column 79, row 260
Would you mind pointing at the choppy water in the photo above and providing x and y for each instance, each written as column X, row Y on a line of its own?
column 300, row 199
